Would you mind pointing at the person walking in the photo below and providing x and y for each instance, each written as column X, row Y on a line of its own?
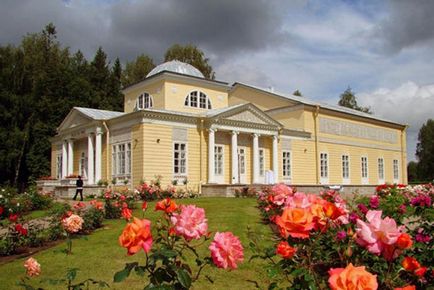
column 79, row 185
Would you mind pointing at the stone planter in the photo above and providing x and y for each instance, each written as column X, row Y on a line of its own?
column 68, row 181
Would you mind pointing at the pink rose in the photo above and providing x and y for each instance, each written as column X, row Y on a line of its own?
column 33, row 267
column 378, row 234
column 190, row 223
column 226, row 250
column 72, row 223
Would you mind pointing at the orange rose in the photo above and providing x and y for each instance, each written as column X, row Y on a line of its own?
column 356, row 278
column 408, row 287
column 404, row 241
column 295, row 222
column 285, row 250
column 167, row 205
column 136, row 236
column 410, row 264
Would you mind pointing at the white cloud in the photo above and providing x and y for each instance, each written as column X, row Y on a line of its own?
column 409, row 103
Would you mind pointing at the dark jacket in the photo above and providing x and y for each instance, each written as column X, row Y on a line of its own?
column 79, row 183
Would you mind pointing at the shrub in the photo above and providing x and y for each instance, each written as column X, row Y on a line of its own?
column 93, row 219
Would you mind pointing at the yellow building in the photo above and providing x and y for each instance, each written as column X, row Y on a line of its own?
column 181, row 126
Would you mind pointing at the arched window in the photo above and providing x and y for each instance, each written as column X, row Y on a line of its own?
column 144, row 101
column 197, row 99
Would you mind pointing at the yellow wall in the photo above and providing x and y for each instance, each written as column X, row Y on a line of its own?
column 303, row 162
column 263, row 101
column 291, row 120
column 156, row 90
column 54, row 153
column 137, row 147
column 176, row 92
column 79, row 147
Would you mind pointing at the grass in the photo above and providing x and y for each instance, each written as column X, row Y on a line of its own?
column 99, row 255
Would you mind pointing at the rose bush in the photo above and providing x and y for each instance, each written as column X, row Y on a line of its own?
column 362, row 243
column 180, row 229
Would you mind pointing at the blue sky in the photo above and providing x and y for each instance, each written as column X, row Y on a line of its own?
column 383, row 50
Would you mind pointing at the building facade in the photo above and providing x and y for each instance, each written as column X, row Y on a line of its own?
column 183, row 127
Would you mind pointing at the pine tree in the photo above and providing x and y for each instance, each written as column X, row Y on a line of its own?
column 348, row 99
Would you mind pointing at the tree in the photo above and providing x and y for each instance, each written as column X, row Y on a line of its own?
column 412, row 171
column 425, row 151
column 137, row 70
column 297, row 93
column 192, row 55
column 348, row 99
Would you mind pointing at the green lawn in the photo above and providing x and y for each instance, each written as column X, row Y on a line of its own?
column 99, row 256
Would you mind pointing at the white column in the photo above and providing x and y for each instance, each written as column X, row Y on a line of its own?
column 70, row 156
column 64, row 159
column 211, row 156
column 90, row 160
column 255, row 148
column 275, row 160
column 98, row 154
column 234, row 151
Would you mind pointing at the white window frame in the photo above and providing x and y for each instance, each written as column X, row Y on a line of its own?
column 121, row 171
column 198, row 102
column 324, row 168
column 219, row 150
column 287, row 165
column 82, row 165
column 144, row 98
column 364, row 170
column 346, row 179
column 59, row 159
column 261, row 157
column 179, row 176
column 395, row 168
column 380, row 167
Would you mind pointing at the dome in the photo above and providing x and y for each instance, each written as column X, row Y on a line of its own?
column 176, row 67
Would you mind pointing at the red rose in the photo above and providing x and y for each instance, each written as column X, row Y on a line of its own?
column 285, row 250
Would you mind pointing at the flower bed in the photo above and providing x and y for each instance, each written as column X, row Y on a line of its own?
column 382, row 241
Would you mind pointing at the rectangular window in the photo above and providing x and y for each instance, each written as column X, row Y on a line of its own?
column 261, row 162
column 114, row 161
column 286, row 163
column 59, row 166
column 345, row 167
column 381, row 169
column 324, row 165
column 364, row 161
column 179, row 158
column 395, row 170
column 128, row 159
column 218, row 160
column 121, row 159
column 242, row 160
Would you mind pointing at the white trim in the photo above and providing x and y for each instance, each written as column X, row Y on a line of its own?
column 211, row 156
column 287, row 178
column 255, row 157
column 242, row 176
column 234, row 157
column 244, row 130
column 325, row 179
column 179, row 176
column 151, row 101
column 220, row 178
column 168, row 123
column 275, row 148
column 365, row 180
column 207, row 100
column 346, row 180
column 395, row 180
column 380, row 180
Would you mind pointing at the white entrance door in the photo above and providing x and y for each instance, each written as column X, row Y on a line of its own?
column 242, row 165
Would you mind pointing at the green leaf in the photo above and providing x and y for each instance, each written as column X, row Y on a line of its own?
column 71, row 274
column 121, row 275
column 169, row 253
column 184, row 278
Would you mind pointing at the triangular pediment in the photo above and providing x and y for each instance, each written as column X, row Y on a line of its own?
column 74, row 119
column 247, row 116
column 246, row 113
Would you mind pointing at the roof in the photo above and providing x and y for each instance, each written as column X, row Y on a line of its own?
column 307, row 101
column 98, row 114
column 177, row 67
column 214, row 112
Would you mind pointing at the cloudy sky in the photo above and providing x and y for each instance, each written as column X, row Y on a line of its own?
column 383, row 50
